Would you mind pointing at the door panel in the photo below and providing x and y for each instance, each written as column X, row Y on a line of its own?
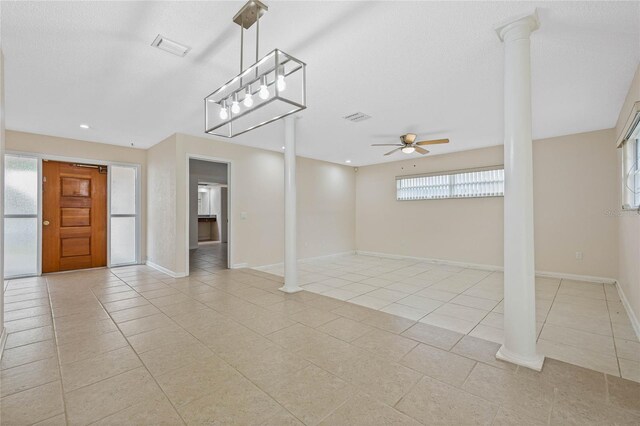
column 75, row 216
column 75, row 186
column 74, row 212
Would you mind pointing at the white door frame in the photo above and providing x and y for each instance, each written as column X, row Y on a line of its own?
column 230, row 186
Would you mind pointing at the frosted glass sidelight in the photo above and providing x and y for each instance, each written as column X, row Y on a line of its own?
column 21, row 185
column 123, row 190
column 20, row 246
column 123, row 240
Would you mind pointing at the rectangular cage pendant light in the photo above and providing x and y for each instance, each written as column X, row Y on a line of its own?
column 268, row 90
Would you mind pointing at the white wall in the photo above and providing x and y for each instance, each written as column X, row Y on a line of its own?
column 573, row 180
column 629, row 223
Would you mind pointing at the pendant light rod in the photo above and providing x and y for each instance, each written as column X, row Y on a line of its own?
column 241, row 46
column 248, row 15
column 257, row 36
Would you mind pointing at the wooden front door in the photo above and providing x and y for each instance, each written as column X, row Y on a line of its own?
column 74, row 216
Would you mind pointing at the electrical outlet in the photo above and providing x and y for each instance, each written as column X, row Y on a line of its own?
column 243, row 215
column 578, row 255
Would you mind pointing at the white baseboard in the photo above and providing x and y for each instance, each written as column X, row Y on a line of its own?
column 3, row 340
column 632, row 316
column 495, row 268
column 324, row 256
column 431, row 260
column 239, row 265
column 587, row 278
column 165, row 270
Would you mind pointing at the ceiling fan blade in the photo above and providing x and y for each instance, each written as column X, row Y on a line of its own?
column 421, row 150
column 391, row 152
column 409, row 138
column 387, row 144
column 433, row 142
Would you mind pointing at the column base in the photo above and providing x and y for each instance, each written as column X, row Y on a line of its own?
column 286, row 289
column 534, row 363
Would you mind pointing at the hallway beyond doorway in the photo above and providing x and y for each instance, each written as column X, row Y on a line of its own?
column 210, row 256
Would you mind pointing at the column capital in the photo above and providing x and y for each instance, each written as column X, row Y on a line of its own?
column 518, row 27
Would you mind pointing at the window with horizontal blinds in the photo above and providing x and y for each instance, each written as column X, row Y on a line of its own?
column 631, row 169
column 471, row 183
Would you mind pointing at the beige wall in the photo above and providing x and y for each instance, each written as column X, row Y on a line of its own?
column 161, row 216
column 2, row 142
column 628, row 223
column 450, row 229
column 326, row 200
column 73, row 148
column 573, row 180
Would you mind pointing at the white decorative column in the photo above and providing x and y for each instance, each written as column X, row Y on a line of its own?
column 519, row 345
column 290, row 234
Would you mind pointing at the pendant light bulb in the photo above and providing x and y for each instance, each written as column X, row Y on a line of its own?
column 248, row 98
column 224, row 114
column 264, row 91
column 235, row 107
column 280, row 83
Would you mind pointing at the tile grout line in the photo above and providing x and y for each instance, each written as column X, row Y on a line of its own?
column 251, row 285
column 212, row 351
column 55, row 339
column 222, row 359
column 553, row 301
column 613, row 338
column 139, row 359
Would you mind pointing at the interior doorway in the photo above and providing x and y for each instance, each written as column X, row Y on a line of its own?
column 74, row 216
column 208, row 215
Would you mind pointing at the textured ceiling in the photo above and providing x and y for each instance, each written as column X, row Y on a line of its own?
column 432, row 68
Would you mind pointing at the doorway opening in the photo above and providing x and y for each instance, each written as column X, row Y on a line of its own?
column 208, row 215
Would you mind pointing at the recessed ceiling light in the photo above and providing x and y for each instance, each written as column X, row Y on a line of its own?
column 84, row 126
column 283, row 147
column 347, row 161
column 170, row 46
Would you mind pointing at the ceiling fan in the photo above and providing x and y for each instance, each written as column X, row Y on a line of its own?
column 408, row 144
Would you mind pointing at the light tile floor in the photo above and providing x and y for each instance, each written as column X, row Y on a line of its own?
column 134, row 346
column 578, row 322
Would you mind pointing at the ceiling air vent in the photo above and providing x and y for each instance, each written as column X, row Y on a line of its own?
column 170, row 46
column 357, row 117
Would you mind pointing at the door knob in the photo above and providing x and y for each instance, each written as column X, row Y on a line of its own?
column 45, row 223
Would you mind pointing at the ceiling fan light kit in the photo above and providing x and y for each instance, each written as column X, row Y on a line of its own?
column 408, row 144
column 270, row 89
